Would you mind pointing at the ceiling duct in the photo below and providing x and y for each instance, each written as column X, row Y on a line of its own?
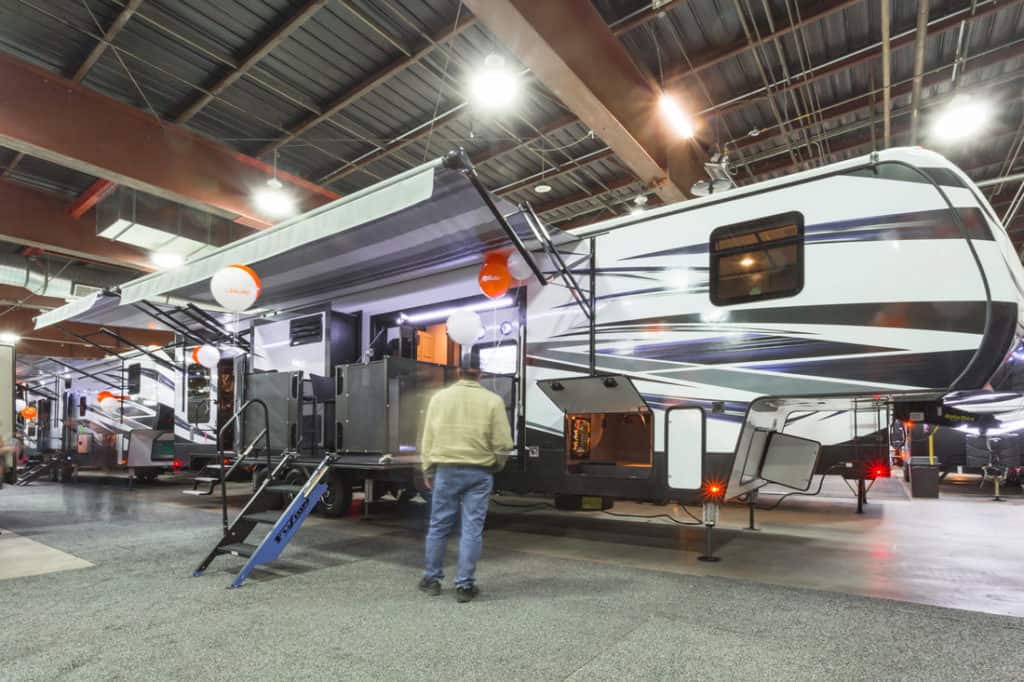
column 68, row 281
column 161, row 226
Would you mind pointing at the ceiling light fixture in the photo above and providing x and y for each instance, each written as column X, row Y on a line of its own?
column 678, row 120
column 542, row 188
column 273, row 200
column 166, row 260
column 747, row 262
column 9, row 337
column 963, row 117
column 494, row 87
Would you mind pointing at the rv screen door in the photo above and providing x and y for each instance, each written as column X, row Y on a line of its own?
column 684, row 447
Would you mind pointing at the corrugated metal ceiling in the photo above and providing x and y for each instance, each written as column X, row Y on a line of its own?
column 173, row 50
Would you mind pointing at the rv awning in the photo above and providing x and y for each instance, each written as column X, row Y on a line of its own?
column 426, row 220
column 102, row 308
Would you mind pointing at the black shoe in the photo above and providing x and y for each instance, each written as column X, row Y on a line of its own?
column 430, row 586
column 466, row 594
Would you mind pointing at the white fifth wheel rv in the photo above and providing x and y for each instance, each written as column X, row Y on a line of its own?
column 760, row 335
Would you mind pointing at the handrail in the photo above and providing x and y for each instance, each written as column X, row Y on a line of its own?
column 220, row 449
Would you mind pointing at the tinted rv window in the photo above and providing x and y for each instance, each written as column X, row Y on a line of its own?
column 757, row 260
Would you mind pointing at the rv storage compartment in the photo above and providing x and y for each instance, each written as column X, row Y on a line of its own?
column 609, row 430
column 380, row 406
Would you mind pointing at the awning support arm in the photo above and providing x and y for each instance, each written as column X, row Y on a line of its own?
column 88, row 374
column 458, row 160
column 211, row 323
column 164, row 318
column 544, row 237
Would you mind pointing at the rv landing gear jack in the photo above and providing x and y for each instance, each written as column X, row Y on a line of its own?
column 710, row 519
column 752, row 507
column 862, row 495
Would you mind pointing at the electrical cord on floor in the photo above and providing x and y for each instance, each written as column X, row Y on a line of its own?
column 821, row 483
column 546, row 505
column 524, row 507
column 657, row 516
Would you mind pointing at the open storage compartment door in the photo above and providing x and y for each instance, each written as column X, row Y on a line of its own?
column 685, row 444
column 609, row 428
column 790, row 461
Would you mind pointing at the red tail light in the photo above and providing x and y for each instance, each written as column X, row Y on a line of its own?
column 226, row 461
column 176, row 464
column 713, row 490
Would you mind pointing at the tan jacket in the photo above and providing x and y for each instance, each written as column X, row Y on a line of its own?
column 465, row 424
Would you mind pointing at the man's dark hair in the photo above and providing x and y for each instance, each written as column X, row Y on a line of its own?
column 467, row 370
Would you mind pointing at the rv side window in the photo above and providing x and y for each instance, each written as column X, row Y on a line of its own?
column 757, row 260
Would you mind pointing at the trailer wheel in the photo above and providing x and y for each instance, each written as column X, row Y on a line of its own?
column 337, row 499
column 274, row 500
column 293, row 477
column 147, row 475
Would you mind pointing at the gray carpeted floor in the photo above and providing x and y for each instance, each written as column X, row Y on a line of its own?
column 342, row 605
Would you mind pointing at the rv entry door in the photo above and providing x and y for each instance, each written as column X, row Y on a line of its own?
column 684, row 447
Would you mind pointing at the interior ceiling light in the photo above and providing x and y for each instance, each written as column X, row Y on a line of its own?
column 542, row 188
column 494, row 87
column 963, row 117
column 640, row 200
column 273, row 200
column 166, row 259
column 9, row 337
column 678, row 120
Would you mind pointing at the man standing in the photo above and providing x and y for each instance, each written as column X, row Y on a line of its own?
column 465, row 437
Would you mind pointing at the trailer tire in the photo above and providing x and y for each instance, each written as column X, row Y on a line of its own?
column 337, row 499
column 147, row 475
column 274, row 500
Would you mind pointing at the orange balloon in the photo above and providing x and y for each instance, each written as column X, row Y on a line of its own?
column 28, row 412
column 494, row 278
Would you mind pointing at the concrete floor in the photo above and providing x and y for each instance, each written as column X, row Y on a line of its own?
column 922, row 589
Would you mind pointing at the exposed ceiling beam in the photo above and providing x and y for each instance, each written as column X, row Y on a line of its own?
column 96, row 193
column 1006, row 83
column 860, row 102
column 705, row 60
column 38, row 219
column 90, row 60
column 23, row 298
column 570, row 49
column 546, row 129
column 939, row 25
column 279, row 35
column 650, row 13
column 410, row 137
column 557, row 171
column 575, row 198
column 108, row 36
column 44, row 115
column 360, row 89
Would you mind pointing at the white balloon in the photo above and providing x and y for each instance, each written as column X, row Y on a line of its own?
column 235, row 287
column 464, row 326
column 208, row 356
column 518, row 267
column 109, row 404
column 19, row 405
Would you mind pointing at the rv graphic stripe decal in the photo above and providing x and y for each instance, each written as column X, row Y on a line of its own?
column 935, row 224
column 953, row 316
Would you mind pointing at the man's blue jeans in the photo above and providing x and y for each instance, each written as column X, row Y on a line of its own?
column 455, row 486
